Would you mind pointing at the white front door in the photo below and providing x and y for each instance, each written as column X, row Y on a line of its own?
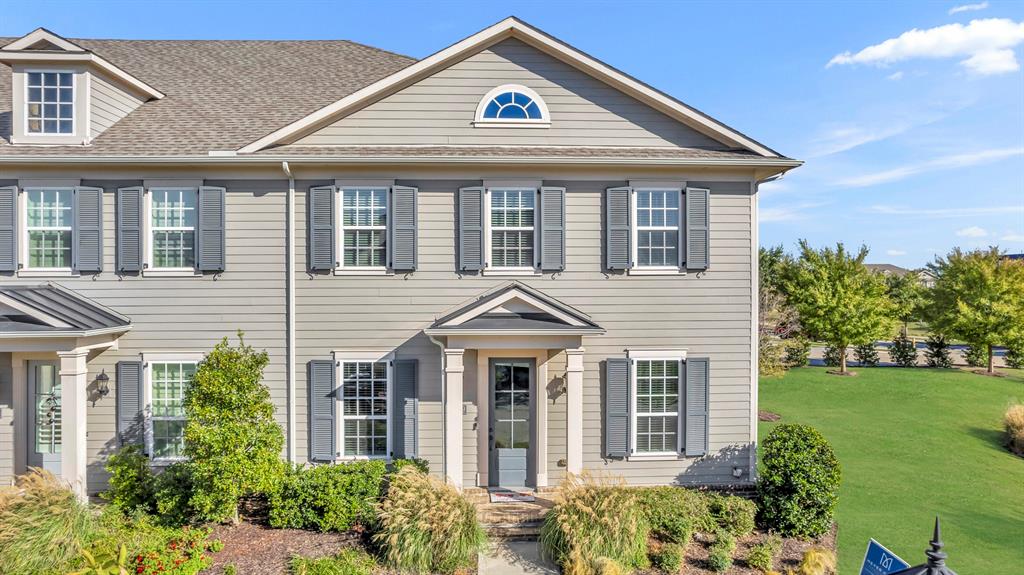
column 45, row 434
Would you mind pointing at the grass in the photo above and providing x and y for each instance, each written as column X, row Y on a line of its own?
column 347, row 562
column 915, row 443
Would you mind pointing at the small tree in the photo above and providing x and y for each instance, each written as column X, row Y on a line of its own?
column 907, row 296
column 232, row 442
column 839, row 301
column 979, row 298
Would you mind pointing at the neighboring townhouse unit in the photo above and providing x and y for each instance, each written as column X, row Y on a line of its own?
column 507, row 258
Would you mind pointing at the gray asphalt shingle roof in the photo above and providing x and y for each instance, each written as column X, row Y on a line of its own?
column 78, row 312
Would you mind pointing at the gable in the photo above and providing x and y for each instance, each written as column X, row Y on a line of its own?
column 108, row 104
column 440, row 109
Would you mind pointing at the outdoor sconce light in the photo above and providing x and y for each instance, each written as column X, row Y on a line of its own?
column 103, row 383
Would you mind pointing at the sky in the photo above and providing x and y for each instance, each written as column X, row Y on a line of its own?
column 909, row 115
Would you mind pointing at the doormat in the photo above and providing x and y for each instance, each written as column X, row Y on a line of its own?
column 509, row 496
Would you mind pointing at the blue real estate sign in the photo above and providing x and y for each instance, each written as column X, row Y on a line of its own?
column 880, row 561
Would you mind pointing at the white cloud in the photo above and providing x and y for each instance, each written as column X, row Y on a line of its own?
column 968, row 8
column 986, row 46
column 895, row 252
column 943, row 163
column 895, row 76
column 972, row 232
column 940, row 213
column 843, row 138
column 787, row 213
column 1013, row 238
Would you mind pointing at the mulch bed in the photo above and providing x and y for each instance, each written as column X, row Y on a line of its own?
column 256, row 549
column 763, row 415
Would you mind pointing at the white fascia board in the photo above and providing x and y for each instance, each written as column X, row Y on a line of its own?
column 510, row 27
column 88, row 57
column 42, row 34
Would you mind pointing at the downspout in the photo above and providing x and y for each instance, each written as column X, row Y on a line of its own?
column 290, row 309
column 444, row 458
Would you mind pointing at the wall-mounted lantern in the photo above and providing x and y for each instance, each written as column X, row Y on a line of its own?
column 103, row 384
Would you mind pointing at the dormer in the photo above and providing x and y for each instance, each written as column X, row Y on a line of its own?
column 64, row 94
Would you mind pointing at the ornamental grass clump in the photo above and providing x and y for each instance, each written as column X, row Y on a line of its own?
column 1013, row 423
column 595, row 517
column 426, row 526
column 43, row 525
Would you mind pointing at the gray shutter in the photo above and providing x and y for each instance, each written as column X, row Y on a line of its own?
column 320, row 224
column 210, row 233
column 402, row 228
column 695, row 427
column 616, row 402
column 552, row 229
column 129, row 229
column 618, row 235
column 321, row 410
column 406, row 408
column 471, row 229
column 129, row 402
column 87, row 237
column 8, row 229
column 697, row 237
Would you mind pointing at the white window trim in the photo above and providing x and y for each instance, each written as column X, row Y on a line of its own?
column 23, row 268
column 635, row 355
column 489, row 269
column 147, row 224
column 340, row 359
column 636, row 269
column 148, row 359
column 339, row 216
column 74, row 104
column 480, row 121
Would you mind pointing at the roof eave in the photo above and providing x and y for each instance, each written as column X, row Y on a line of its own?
column 470, row 331
column 65, row 333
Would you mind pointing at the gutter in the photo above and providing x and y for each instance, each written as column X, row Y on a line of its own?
column 64, row 333
column 444, row 385
column 290, row 310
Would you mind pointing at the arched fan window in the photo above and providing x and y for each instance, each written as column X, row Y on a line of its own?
column 512, row 104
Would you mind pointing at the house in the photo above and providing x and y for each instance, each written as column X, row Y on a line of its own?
column 508, row 258
column 888, row 269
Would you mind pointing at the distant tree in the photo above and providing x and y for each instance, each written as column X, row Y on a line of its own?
column 907, row 296
column 777, row 319
column 839, row 301
column 774, row 264
column 979, row 298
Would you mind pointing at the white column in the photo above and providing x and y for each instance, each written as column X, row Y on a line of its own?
column 574, row 409
column 453, row 370
column 73, row 381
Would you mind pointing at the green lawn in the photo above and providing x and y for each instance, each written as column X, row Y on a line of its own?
column 914, row 443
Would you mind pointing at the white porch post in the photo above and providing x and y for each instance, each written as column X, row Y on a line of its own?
column 574, row 410
column 453, row 370
column 73, row 372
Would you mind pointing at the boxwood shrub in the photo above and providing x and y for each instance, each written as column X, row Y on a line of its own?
column 799, row 482
column 733, row 514
column 328, row 497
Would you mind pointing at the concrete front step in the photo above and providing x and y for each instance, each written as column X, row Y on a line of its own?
column 528, row 531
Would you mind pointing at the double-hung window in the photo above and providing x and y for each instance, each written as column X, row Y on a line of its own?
column 511, row 229
column 656, row 396
column 656, row 234
column 364, row 228
column 50, row 102
column 168, row 380
column 49, row 224
column 173, row 217
column 364, row 397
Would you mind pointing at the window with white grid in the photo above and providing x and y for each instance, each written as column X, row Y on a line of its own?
column 364, row 408
column 49, row 223
column 656, row 402
column 50, row 103
column 173, row 228
column 657, row 228
column 168, row 381
column 512, row 228
column 364, row 227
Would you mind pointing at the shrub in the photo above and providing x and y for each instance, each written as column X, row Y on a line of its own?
column 903, row 352
column 595, row 517
column 674, row 513
column 400, row 464
column 799, row 483
column 976, row 355
column 720, row 554
column 762, row 555
column 866, row 355
column 833, row 356
column 817, row 561
column 733, row 514
column 937, row 351
column 328, row 497
column 426, row 525
column 43, row 525
column 1013, row 423
column 231, row 438
column 798, row 352
column 131, row 480
column 172, row 494
column 769, row 356
column 154, row 548
column 1014, row 356
column 347, row 562
column 670, row 557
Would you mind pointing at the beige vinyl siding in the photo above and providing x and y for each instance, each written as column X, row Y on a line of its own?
column 108, row 104
column 709, row 315
column 440, row 109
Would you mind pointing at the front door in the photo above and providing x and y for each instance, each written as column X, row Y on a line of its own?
column 44, row 437
column 512, row 384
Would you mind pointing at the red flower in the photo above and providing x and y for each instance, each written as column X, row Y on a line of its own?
column 140, row 569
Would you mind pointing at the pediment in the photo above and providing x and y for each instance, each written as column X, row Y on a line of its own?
column 515, row 307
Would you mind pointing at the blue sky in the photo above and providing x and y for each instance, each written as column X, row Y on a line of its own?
column 914, row 140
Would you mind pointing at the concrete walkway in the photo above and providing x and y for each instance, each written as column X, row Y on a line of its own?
column 515, row 558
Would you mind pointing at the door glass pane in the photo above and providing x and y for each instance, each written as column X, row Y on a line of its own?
column 48, row 409
column 502, row 377
column 511, row 405
column 521, row 434
column 502, row 434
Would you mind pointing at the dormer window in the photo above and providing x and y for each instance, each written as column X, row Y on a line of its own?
column 50, row 102
column 512, row 105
